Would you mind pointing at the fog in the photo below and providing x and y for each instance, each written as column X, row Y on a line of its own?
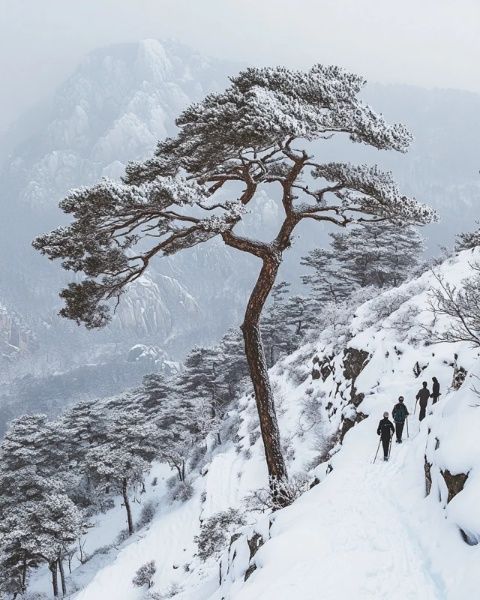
column 431, row 43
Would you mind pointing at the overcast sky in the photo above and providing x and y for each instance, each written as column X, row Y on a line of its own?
column 425, row 42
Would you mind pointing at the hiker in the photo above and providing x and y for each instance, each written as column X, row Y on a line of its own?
column 435, row 390
column 422, row 398
column 385, row 430
column 399, row 414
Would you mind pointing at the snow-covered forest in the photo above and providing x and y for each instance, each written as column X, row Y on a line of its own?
column 239, row 331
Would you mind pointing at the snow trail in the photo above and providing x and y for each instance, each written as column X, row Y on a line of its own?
column 362, row 544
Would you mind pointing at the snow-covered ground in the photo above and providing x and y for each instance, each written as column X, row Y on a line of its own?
column 367, row 530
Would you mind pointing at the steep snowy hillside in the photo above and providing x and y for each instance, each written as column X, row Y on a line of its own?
column 408, row 528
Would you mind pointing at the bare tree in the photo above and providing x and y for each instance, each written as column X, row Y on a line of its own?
column 199, row 185
column 462, row 305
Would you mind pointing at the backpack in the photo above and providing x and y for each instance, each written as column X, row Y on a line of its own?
column 399, row 413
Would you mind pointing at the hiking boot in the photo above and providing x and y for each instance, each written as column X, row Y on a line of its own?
column 385, row 458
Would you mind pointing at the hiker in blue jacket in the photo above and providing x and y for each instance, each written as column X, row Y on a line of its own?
column 399, row 414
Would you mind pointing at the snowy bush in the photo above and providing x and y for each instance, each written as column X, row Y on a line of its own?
column 146, row 514
column 181, row 491
column 197, row 456
column 253, row 437
column 266, row 499
column 173, row 590
column 215, row 532
column 145, row 574
column 121, row 537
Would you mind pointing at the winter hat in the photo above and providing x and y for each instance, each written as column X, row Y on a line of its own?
column 385, row 414
column 401, row 399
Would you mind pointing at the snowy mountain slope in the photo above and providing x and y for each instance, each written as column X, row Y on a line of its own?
column 364, row 530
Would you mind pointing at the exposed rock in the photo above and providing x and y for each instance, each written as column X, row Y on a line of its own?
column 428, row 476
column 254, row 543
column 348, row 423
column 354, row 361
column 250, row 570
column 455, row 483
column 459, row 376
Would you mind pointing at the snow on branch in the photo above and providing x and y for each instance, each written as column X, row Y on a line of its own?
column 367, row 189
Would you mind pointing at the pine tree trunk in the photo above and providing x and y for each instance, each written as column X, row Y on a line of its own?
column 62, row 576
column 53, row 569
column 127, row 505
column 257, row 365
column 24, row 574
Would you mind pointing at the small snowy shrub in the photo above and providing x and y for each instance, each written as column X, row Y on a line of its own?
column 265, row 499
column 182, row 491
column 215, row 532
column 121, row 537
column 146, row 514
column 144, row 575
column 173, row 590
column 254, row 436
column 197, row 456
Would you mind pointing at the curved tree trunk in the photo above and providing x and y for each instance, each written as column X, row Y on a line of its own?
column 257, row 365
column 62, row 576
column 126, row 501
column 53, row 570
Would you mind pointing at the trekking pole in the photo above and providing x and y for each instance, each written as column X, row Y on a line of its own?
column 378, row 448
column 416, row 402
column 390, row 446
column 407, row 427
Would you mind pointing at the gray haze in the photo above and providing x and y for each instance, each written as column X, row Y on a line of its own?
column 429, row 43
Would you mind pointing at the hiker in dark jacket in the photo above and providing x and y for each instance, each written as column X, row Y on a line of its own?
column 385, row 430
column 435, row 390
column 399, row 414
column 422, row 398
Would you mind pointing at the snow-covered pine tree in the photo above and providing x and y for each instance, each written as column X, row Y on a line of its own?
column 232, row 365
column 376, row 254
column 248, row 137
column 468, row 240
column 274, row 333
column 201, row 383
column 38, row 521
column 125, row 456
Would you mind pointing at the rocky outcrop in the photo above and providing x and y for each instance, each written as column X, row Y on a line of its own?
column 350, row 422
column 454, row 483
column 354, row 361
column 254, row 543
column 428, row 476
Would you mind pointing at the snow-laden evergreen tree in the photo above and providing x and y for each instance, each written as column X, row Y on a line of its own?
column 231, row 147
column 38, row 521
column 376, row 254
column 144, row 575
column 121, row 461
column 200, row 382
column 233, row 366
column 468, row 240
column 273, row 324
